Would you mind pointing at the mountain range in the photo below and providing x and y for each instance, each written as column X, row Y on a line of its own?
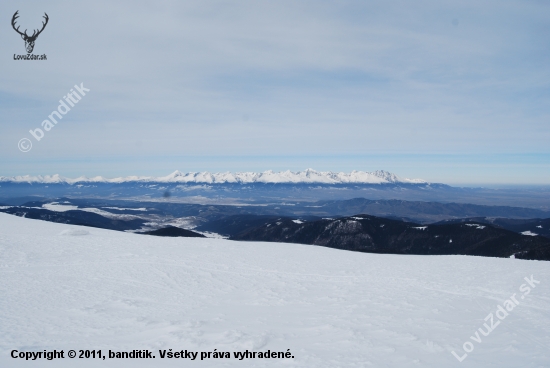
column 324, row 223
column 308, row 176
column 269, row 187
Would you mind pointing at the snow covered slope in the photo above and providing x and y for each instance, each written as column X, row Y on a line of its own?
column 69, row 287
column 307, row 176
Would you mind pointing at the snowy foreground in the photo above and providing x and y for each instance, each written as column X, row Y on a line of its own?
column 67, row 287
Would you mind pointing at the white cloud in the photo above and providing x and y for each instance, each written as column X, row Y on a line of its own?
column 285, row 77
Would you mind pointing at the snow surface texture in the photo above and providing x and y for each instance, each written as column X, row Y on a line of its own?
column 331, row 308
column 307, row 176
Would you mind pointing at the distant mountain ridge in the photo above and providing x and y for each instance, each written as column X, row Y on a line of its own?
column 482, row 236
column 308, row 176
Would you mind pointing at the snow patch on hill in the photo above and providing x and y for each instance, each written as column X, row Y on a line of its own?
column 529, row 233
column 57, row 207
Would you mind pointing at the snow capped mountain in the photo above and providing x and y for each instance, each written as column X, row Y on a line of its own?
column 308, row 176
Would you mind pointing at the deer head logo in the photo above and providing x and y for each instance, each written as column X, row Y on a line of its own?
column 29, row 40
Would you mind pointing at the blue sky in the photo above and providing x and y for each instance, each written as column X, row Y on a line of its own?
column 455, row 92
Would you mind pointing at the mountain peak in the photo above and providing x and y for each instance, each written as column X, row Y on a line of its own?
column 308, row 176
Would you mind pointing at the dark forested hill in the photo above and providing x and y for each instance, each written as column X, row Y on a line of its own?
column 366, row 233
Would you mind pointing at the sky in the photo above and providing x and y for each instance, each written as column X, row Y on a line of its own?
column 455, row 92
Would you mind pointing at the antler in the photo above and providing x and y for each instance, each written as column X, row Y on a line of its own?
column 35, row 33
column 43, row 26
column 13, row 19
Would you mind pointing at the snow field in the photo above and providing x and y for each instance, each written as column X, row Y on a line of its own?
column 69, row 287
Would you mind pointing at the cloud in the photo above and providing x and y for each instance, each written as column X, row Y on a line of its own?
column 281, row 78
